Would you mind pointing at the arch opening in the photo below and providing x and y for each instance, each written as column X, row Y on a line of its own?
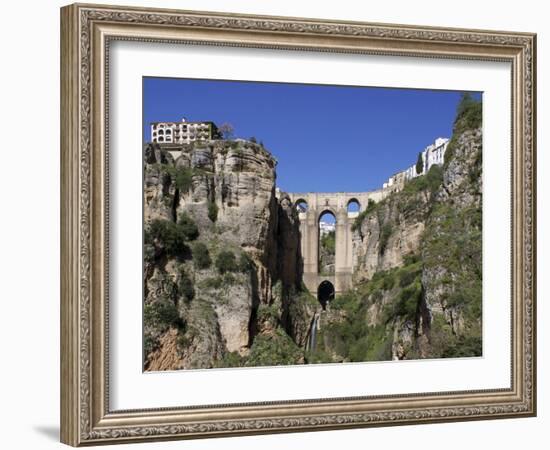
column 327, row 243
column 325, row 293
column 301, row 205
column 354, row 206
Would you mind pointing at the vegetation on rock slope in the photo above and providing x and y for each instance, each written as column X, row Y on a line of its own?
column 327, row 253
column 429, row 304
column 222, row 268
column 222, row 273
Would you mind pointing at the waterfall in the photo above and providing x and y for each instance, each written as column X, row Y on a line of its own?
column 313, row 332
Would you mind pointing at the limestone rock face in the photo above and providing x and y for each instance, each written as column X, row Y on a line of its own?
column 461, row 195
column 419, row 253
column 462, row 183
column 158, row 187
column 289, row 266
column 386, row 237
column 215, row 198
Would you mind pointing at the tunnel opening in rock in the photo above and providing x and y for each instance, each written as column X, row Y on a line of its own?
column 327, row 243
column 325, row 293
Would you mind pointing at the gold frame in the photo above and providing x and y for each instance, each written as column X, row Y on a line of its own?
column 86, row 31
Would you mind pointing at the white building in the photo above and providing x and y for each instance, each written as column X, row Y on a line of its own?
column 435, row 153
column 183, row 132
column 326, row 228
column 432, row 154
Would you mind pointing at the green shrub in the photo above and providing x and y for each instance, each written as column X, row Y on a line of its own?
column 415, row 185
column 376, row 296
column 328, row 242
column 162, row 313
column 318, row 356
column 148, row 251
column 385, row 234
column 449, row 152
column 434, row 178
column 201, row 256
column 229, row 279
column 184, row 178
column 231, row 359
column 464, row 346
column 358, row 350
column 226, row 262
column 181, row 176
column 388, row 280
column 410, row 258
column 185, row 286
column 371, row 206
column 408, row 300
column 430, row 181
column 274, row 349
column 351, row 338
column 474, row 174
column 268, row 313
column 212, row 283
column 149, row 344
column 188, row 227
column 407, row 274
column 212, row 211
column 468, row 114
column 379, row 344
column 184, row 339
column 245, row 263
column 168, row 235
column 346, row 301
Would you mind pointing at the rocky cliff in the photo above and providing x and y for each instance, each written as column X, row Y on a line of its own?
column 223, row 269
column 222, row 263
column 418, row 264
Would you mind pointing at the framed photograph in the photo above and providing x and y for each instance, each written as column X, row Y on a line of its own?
column 279, row 224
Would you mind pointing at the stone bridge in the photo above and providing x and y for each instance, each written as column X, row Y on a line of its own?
column 316, row 204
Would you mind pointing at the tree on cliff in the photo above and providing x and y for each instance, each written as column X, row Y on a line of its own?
column 468, row 114
column 227, row 130
column 419, row 164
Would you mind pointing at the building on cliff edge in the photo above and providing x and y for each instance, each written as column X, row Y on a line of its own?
column 431, row 155
column 183, row 132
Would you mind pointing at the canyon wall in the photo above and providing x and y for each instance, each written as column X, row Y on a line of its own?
column 222, row 263
column 418, row 265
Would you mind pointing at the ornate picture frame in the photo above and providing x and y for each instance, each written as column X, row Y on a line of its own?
column 86, row 34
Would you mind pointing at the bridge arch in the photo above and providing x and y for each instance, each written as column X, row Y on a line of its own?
column 339, row 205
column 327, row 225
column 325, row 211
column 353, row 205
column 301, row 205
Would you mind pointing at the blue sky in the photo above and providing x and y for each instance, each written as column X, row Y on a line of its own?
column 325, row 138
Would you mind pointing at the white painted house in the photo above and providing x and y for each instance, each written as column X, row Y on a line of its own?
column 432, row 154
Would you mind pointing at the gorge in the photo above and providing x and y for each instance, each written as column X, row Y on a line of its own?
column 231, row 276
